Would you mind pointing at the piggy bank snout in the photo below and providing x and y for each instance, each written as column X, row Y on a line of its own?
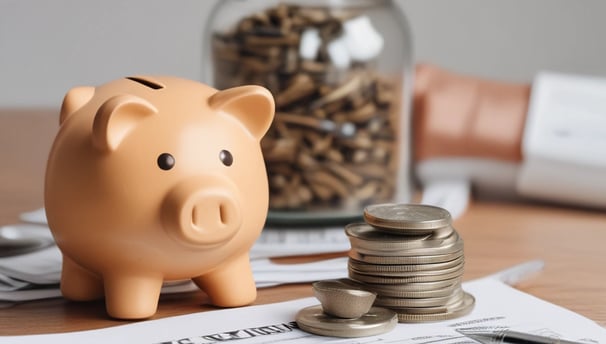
column 203, row 212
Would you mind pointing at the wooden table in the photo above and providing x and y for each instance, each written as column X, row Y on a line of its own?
column 497, row 235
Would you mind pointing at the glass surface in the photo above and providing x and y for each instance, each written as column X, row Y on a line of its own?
column 341, row 75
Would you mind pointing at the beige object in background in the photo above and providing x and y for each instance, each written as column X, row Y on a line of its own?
column 468, row 129
column 158, row 178
column 465, row 116
column 541, row 141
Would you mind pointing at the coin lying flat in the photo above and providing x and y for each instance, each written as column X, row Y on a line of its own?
column 420, row 290
column 430, row 310
column 365, row 278
column 407, row 218
column 378, row 320
column 414, row 260
column 454, row 298
column 404, row 268
column 410, row 252
column 400, row 271
column 459, row 310
column 362, row 235
column 442, row 232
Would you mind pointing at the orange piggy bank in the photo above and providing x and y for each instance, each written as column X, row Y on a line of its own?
column 158, row 178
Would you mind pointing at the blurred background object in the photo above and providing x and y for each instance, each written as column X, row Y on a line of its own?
column 342, row 76
column 47, row 47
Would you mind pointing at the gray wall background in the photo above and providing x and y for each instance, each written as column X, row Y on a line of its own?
column 47, row 47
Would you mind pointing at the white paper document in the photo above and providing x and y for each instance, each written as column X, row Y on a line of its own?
column 41, row 272
column 35, row 275
column 497, row 305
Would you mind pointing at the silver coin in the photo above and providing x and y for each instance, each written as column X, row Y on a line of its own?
column 362, row 235
column 410, row 252
column 378, row 320
column 365, row 278
column 407, row 218
column 413, row 286
column 445, row 313
column 415, row 290
column 436, row 233
column 405, row 274
column 391, row 260
column 372, row 268
column 442, row 232
column 430, row 310
column 366, row 232
column 449, row 300
column 408, row 290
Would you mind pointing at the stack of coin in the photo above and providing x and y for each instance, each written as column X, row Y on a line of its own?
column 412, row 257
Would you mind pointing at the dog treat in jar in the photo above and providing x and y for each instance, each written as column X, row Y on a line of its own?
column 340, row 73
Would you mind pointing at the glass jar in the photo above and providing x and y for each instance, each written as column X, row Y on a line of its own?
column 341, row 74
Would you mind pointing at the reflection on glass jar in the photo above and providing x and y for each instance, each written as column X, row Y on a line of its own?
column 340, row 72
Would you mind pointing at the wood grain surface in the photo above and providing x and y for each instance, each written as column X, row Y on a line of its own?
column 497, row 235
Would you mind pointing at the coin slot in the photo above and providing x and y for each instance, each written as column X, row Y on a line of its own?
column 146, row 82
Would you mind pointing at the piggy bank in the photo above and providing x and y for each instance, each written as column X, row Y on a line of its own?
column 152, row 179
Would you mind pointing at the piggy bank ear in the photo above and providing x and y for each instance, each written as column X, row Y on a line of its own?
column 75, row 99
column 251, row 105
column 116, row 118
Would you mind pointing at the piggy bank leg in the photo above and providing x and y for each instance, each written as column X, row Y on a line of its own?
column 129, row 296
column 230, row 285
column 79, row 284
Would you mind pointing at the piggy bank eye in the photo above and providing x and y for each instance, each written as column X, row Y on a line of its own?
column 226, row 158
column 166, row 161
